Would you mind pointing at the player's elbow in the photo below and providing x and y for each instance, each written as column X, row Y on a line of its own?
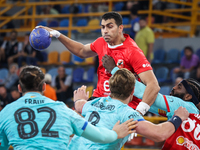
column 155, row 86
column 82, row 54
column 159, row 138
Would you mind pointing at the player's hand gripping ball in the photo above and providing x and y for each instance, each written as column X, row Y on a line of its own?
column 40, row 39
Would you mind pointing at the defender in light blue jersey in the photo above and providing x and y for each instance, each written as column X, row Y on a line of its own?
column 166, row 105
column 37, row 122
column 186, row 94
column 105, row 111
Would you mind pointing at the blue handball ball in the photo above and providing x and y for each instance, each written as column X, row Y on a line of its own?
column 40, row 39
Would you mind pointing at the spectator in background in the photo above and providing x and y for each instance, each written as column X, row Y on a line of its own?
column 49, row 91
column 8, row 97
column 145, row 39
column 63, row 84
column 97, row 7
column 28, row 53
column 188, row 66
column 56, row 7
column 12, row 78
column 9, row 51
column 46, row 10
column 135, row 26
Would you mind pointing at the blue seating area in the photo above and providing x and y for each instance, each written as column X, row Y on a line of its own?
column 118, row 6
column 64, row 23
column 165, row 90
column 53, row 23
column 168, row 57
column 53, row 72
column 162, row 74
column 79, row 74
column 3, row 75
column 159, row 56
column 173, row 56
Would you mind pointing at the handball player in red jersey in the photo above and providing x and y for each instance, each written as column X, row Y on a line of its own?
column 125, row 53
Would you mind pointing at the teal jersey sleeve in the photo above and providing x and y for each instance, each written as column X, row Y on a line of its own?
column 3, row 139
column 164, row 103
column 78, row 123
column 35, row 120
column 87, row 106
column 104, row 135
column 129, row 113
column 104, row 113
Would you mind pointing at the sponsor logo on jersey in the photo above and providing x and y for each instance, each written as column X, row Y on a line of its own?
column 162, row 112
column 197, row 116
column 32, row 96
column 103, row 107
column 120, row 63
column 134, row 115
column 183, row 141
column 146, row 65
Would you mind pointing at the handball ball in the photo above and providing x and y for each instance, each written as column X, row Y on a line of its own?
column 40, row 39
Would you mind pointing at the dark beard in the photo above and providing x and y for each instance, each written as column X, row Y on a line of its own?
column 181, row 96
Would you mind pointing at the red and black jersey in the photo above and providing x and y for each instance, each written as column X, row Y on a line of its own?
column 126, row 55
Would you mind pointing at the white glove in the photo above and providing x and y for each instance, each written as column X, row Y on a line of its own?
column 143, row 108
column 54, row 33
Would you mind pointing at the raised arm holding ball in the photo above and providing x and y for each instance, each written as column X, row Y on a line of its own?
column 125, row 53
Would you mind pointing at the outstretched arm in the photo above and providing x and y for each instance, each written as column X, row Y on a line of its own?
column 139, row 90
column 159, row 102
column 147, row 77
column 77, row 48
column 162, row 131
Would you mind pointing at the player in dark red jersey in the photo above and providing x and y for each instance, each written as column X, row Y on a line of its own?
column 186, row 94
column 125, row 52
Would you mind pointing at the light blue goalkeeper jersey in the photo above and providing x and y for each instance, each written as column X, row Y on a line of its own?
column 165, row 105
column 37, row 122
column 104, row 112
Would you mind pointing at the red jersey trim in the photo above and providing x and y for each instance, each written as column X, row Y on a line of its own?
column 167, row 105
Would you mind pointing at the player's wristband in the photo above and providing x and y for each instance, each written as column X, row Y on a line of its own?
column 114, row 70
column 55, row 33
column 77, row 100
column 143, row 108
column 176, row 121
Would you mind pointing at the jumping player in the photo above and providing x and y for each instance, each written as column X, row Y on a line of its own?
column 125, row 52
column 37, row 122
column 104, row 111
column 186, row 94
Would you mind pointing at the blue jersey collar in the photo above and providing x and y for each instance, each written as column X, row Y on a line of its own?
column 115, row 100
column 33, row 94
